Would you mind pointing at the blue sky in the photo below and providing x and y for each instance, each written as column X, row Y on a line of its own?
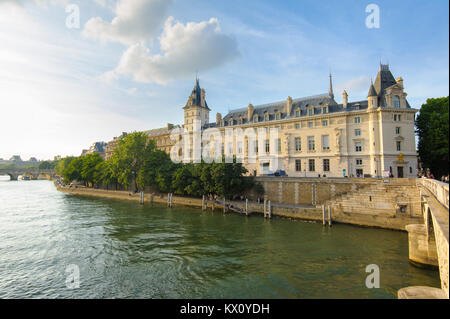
column 62, row 89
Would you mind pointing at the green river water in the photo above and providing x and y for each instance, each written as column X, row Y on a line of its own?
column 125, row 250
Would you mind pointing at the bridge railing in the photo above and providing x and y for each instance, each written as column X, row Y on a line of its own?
column 439, row 190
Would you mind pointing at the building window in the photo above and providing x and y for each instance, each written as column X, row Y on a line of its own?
column 277, row 116
column 325, row 142
column 279, row 145
column 310, row 124
column 359, row 172
column 358, row 132
column 396, row 102
column 230, row 148
column 297, row 126
column 325, row 110
column 298, row 165
column 397, row 117
column 358, row 146
column 326, row 165
column 311, row 144
column 255, row 118
column 399, row 146
column 239, row 121
column 267, row 146
column 266, row 117
column 359, row 161
column 311, row 112
column 397, row 130
column 324, row 123
column 312, row 165
column 297, row 113
column 239, row 147
column 298, row 144
column 410, row 170
column 357, row 120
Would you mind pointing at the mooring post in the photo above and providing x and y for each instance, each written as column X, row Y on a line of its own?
column 270, row 209
column 323, row 215
column 203, row 202
column 265, row 202
column 142, row 198
column 329, row 215
column 151, row 198
column 212, row 205
column 246, row 206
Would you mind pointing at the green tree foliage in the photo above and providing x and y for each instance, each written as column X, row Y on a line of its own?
column 62, row 164
column 137, row 160
column 46, row 165
column 73, row 170
column 432, row 129
column 104, row 174
column 129, row 158
column 89, row 167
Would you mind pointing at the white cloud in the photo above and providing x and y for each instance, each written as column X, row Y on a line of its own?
column 357, row 86
column 136, row 20
column 185, row 49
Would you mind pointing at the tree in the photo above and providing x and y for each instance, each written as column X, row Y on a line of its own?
column 104, row 174
column 46, row 165
column 62, row 164
column 432, row 129
column 129, row 157
column 155, row 161
column 73, row 171
column 89, row 166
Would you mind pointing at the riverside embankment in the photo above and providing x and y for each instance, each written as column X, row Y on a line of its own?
column 362, row 202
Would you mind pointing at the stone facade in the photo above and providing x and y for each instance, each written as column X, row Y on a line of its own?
column 317, row 136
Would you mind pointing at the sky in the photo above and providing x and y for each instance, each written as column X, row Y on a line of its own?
column 130, row 65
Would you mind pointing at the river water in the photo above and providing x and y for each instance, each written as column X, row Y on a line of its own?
column 125, row 250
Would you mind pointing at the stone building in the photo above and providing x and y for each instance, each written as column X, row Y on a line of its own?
column 318, row 136
column 315, row 134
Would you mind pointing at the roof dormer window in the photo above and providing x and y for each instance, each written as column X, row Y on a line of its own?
column 266, row 116
column 255, row 118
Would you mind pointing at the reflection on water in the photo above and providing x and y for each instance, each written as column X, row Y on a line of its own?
column 125, row 250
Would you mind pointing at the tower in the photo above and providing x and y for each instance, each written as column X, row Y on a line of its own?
column 372, row 97
column 196, row 110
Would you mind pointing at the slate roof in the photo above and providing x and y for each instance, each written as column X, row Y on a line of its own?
column 384, row 80
column 318, row 101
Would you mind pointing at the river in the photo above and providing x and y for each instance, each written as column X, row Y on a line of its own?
column 125, row 250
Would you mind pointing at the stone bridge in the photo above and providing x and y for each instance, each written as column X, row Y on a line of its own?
column 428, row 242
column 34, row 173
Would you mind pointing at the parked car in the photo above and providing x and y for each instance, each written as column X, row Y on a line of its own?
column 278, row 173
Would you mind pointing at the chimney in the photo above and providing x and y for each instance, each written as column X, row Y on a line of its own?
column 288, row 105
column 345, row 98
column 218, row 118
column 250, row 112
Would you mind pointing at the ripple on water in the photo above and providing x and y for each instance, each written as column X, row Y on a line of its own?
column 125, row 250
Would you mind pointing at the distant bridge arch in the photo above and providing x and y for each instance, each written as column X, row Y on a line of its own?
column 34, row 173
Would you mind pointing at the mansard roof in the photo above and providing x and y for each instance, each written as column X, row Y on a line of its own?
column 317, row 101
column 384, row 79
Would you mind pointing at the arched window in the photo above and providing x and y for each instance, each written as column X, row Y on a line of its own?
column 396, row 101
